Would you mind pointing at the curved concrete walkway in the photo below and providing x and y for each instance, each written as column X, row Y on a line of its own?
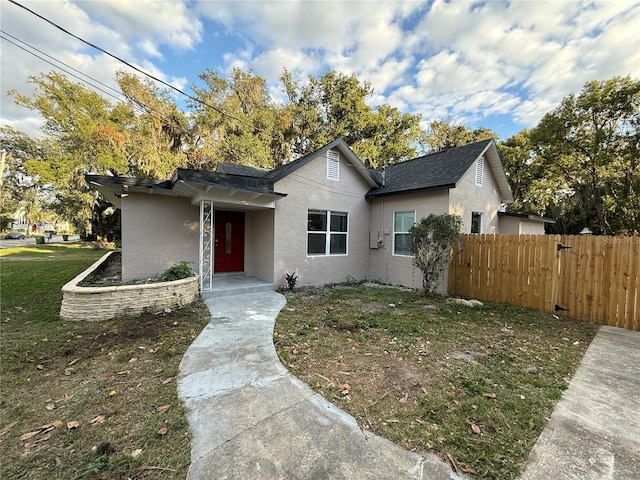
column 251, row 419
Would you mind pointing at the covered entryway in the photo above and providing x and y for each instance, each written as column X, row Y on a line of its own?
column 229, row 242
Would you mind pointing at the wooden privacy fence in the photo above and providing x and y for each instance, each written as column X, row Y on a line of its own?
column 591, row 278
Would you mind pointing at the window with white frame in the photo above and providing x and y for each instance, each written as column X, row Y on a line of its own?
column 402, row 222
column 333, row 165
column 476, row 222
column 479, row 171
column 327, row 233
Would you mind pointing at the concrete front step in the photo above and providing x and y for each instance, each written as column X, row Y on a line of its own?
column 231, row 284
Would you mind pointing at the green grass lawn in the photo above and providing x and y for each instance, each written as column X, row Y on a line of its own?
column 86, row 399
column 473, row 385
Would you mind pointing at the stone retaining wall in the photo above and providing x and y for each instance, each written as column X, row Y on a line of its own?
column 103, row 303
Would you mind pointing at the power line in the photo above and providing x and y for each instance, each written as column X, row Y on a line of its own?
column 137, row 104
column 115, row 57
column 60, row 68
column 57, row 66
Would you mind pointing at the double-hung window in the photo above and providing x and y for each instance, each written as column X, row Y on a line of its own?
column 402, row 222
column 327, row 233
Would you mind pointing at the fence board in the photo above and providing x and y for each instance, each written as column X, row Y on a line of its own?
column 597, row 279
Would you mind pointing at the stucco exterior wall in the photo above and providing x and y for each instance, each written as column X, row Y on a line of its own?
column 520, row 226
column 396, row 269
column 308, row 188
column 468, row 197
column 157, row 232
column 259, row 244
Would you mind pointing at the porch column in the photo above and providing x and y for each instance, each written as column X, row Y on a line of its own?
column 206, row 245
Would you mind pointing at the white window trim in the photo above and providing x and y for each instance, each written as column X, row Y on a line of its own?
column 393, row 250
column 479, row 171
column 328, row 234
column 333, row 166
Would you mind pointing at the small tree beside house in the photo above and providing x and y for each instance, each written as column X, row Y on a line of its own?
column 432, row 240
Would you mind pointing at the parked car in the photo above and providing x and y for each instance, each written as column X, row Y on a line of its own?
column 14, row 236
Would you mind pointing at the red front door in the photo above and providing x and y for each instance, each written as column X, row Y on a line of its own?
column 229, row 242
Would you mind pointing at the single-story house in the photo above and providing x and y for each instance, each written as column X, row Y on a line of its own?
column 324, row 215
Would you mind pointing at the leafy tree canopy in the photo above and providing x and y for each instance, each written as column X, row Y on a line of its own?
column 442, row 135
column 581, row 163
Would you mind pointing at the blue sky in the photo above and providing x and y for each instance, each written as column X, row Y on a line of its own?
column 493, row 64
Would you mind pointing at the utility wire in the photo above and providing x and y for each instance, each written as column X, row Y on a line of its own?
column 60, row 68
column 115, row 57
column 55, row 60
column 137, row 104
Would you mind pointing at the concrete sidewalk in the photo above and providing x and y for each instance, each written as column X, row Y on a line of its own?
column 594, row 431
column 250, row 418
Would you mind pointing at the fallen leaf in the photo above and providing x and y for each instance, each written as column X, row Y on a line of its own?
column 57, row 423
column 467, row 469
column 112, row 393
column 403, row 399
column 72, row 425
column 40, row 367
column 475, row 428
column 163, row 408
column 345, row 389
column 136, row 453
column 489, row 395
column 133, row 359
column 8, row 427
column 28, row 435
column 168, row 380
column 73, row 362
column 162, row 431
column 96, row 420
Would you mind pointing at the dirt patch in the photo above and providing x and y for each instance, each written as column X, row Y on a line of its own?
column 473, row 385
column 107, row 274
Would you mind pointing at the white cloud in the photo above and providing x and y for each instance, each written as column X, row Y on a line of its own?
column 452, row 59
column 168, row 23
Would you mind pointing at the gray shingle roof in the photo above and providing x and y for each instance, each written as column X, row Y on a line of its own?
column 436, row 170
column 244, row 170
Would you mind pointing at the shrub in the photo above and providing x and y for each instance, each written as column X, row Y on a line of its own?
column 177, row 272
column 432, row 240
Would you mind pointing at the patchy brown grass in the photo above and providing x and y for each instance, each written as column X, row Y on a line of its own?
column 473, row 385
column 87, row 399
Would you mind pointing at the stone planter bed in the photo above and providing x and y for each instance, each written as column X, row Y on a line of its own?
column 106, row 302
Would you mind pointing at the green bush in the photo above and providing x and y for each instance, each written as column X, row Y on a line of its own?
column 177, row 272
